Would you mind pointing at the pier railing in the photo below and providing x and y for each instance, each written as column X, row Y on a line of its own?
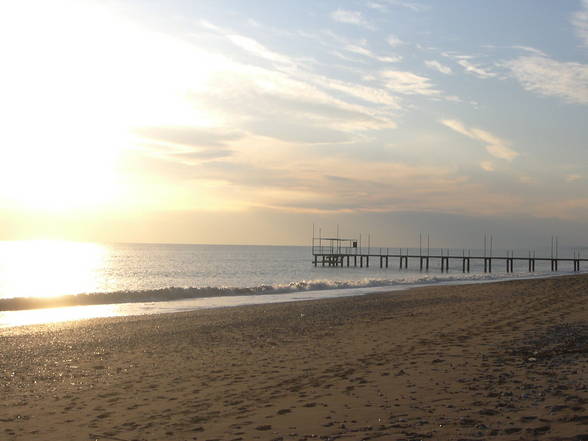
column 336, row 252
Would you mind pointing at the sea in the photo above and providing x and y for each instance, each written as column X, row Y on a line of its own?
column 39, row 277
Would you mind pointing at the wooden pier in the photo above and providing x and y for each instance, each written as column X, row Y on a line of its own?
column 338, row 252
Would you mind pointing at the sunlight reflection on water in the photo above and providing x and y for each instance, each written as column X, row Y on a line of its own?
column 56, row 315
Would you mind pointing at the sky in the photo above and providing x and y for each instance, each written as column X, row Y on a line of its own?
column 246, row 122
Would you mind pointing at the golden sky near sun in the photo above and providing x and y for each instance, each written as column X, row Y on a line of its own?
column 129, row 109
column 80, row 80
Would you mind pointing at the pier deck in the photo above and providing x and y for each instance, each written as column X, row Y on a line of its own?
column 346, row 253
column 424, row 261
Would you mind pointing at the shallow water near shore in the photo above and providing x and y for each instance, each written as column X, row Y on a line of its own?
column 131, row 279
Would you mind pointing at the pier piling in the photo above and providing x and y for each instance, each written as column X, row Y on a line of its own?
column 338, row 252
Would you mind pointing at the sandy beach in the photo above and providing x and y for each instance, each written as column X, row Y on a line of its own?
column 501, row 361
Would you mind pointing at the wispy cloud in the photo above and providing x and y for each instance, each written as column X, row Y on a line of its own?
column 319, row 107
column 188, row 136
column 385, row 5
column 494, row 145
column 351, row 17
column 394, row 41
column 408, row 83
column 487, row 165
column 435, row 65
column 184, row 144
column 256, row 48
column 529, row 49
column 545, row 76
column 580, row 22
column 475, row 69
column 573, row 177
column 367, row 53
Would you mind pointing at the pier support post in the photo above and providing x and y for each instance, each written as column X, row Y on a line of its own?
column 361, row 261
column 485, row 265
column 490, row 264
column 367, row 261
column 315, row 260
column 427, row 264
column 463, row 265
column 386, row 261
column 355, row 261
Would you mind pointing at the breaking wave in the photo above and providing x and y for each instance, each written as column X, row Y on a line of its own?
column 178, row 293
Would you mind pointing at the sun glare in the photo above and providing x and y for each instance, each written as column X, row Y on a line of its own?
column 56, row 315
column 78, row 77
column 45, row 268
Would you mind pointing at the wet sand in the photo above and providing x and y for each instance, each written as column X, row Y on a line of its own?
column 501, row 361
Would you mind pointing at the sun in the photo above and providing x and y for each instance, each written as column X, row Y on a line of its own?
column 78, row 78
column 62, row 136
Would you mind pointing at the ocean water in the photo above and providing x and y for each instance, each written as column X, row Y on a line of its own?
column 126, row 279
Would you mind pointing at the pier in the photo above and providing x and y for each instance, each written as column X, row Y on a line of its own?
column 342, row 252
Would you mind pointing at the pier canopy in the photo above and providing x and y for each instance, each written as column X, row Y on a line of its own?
column 334, row 245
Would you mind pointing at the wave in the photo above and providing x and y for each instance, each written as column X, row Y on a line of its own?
column 178, row 293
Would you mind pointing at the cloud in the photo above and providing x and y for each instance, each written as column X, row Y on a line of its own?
column 394, row 41
column 382, row 7
column 545, row 76
column 312, row 107
column 254, row 47
column 529, row 49
column 469, row 66
column 435, row 65
column 186, row 145
column 308, row 107
column 408, row 83
column 573, row 177
column 580, row 22
column 189, row 136
column 477, row 70
column 385, row 5
column 495, row 146
column 457, row 127
column 367, row 53
column 487, row 165
column 351, row 17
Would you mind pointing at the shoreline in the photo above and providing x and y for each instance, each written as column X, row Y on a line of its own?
column 505, row 361
column 83, row 306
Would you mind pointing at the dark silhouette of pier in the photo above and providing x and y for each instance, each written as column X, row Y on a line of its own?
column 342, row 252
